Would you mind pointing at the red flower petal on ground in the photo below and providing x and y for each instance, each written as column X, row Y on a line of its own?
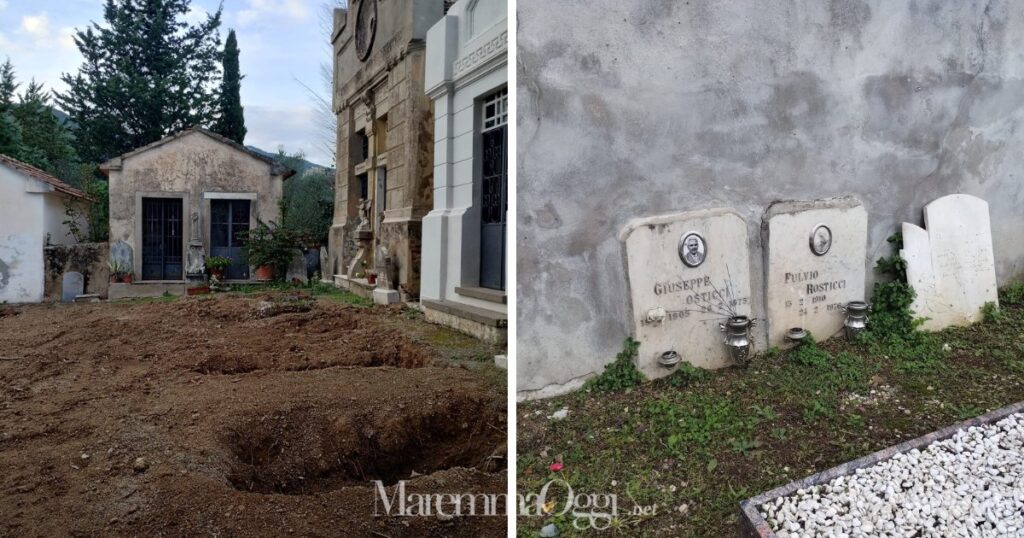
column 557, row 466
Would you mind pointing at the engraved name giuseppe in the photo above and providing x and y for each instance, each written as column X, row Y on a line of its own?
column 699, row 293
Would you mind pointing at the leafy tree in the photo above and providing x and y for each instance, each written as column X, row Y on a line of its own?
column 230, row 120
column 48, row 143
column 307, row 209
column 147, row 73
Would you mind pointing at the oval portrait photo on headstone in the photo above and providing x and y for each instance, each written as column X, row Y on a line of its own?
column 821, row 240
column 692, row 249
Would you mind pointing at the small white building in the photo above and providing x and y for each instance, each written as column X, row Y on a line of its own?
column 465, row 240
column 33, row 214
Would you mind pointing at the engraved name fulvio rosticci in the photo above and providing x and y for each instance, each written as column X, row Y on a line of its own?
column 815, row 289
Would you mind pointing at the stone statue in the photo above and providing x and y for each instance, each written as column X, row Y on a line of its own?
column 195, row 263
column 364, row 214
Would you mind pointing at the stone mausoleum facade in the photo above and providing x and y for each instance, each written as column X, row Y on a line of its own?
column 183, row 198
column 465, row 235
column 385, row 146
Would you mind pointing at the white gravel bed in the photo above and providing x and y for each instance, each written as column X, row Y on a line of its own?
column 971, row 484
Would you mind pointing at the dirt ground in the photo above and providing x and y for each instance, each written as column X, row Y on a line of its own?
column 257, row 415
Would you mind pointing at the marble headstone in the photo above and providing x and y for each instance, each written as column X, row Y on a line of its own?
column 297, row 268
column 950, row 263
column 121, row 252
column 687, row 272
column 72, row 285
column 326, row 271
column 815, row 259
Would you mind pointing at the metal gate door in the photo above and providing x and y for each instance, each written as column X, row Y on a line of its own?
column 162, row 239
column 228, row 218
column 494, row 191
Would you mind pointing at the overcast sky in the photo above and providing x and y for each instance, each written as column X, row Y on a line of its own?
column 280, row 41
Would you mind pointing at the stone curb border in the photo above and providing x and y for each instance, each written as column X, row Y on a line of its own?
column 754, row 526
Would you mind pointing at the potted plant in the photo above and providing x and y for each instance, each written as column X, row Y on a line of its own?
column 216, row 265
column 119, row 272
column 268, row 248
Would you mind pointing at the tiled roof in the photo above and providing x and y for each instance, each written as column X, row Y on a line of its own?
column 36, row 173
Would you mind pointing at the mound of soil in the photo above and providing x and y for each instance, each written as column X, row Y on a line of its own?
column 222, row 416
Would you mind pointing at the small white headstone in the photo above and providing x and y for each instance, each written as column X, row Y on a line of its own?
column 950, row 263
column 816, row 255
column 297, row 268
column 687, row 273
column 73, row 285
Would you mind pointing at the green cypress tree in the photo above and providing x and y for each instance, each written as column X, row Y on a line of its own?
column 47, row 141
column 7, row 86
column 10, row 132
column 147, row 73
column 230, row 119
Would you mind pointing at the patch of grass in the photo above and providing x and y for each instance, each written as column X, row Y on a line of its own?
column 315, row 289
column 720, row 437
column 621, row 373
column 165, row 298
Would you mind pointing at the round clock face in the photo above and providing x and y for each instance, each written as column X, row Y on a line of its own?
column 366, row 27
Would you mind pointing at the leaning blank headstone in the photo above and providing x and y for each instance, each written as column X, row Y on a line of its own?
column 950, row 263
column 687, row 273
column 73, row 285
column 816, row 253
column 297, row 268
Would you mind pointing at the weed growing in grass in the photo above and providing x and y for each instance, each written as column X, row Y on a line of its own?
column 892, row 330
column 764, row 412
column 687, row 374
column 621, row 373
column 815, row 409
column 1012, row 294
column 746, row 447
column 809, row 354
column 964, row 412
column 991, row 313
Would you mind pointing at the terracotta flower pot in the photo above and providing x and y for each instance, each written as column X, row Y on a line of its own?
column 371, row 278
column 265, row 273
column 127, row 279
column 217, row 273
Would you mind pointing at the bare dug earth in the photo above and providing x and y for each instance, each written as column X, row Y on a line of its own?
column 260, row 415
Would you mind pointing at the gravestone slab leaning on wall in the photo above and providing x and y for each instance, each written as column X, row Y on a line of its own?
column 814, row 258
column 950, row 262
column 687, row 272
